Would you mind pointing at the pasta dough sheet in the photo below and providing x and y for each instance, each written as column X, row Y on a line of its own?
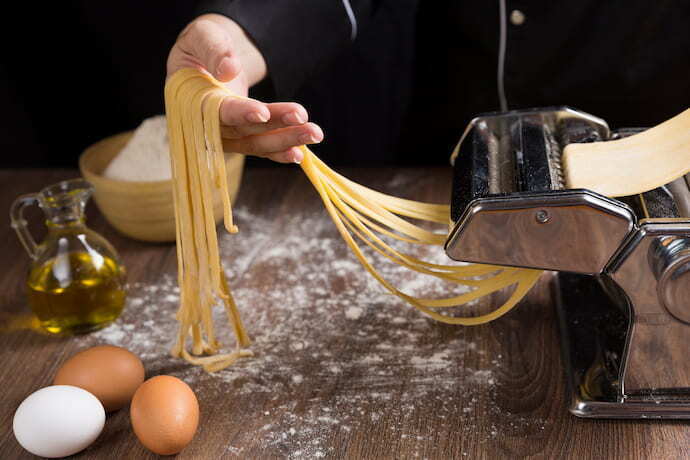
column 634, row 164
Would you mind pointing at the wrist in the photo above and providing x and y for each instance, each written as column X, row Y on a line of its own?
column 251, row 59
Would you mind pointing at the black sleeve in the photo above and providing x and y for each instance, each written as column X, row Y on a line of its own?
column 297, row 38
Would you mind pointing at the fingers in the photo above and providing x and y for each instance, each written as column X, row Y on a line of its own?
column 208, row 43
column 287, row 113
column 291, row 155
column 235, row 112
column 240, row 122
column 275, row 142
column 248, row 126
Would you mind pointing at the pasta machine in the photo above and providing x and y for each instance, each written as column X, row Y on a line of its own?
column 623, row 284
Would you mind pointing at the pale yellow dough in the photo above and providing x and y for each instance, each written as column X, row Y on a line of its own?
column 192, row 101
column 634, row 164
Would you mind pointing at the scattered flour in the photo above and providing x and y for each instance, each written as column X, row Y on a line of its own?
column 373, row 373
column 146, row 157
column 353, row 313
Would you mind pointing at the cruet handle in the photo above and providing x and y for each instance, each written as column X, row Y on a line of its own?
column 19, row 224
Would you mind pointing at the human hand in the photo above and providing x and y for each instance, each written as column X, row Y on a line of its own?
column 219, row 46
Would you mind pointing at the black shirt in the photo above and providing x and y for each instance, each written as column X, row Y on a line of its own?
column 417, row 72
column 401, row 92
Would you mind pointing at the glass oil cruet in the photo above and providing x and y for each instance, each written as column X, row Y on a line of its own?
column 76, row 282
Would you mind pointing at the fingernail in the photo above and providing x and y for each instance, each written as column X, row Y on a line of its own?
column 307, row 139
column 293, row 118
column 257, row 117
column 297, row 156
column 219, row 69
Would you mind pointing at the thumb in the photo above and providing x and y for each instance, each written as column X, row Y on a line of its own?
column 205, row 43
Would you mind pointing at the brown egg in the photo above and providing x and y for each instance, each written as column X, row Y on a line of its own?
column 165, row 414
column 112, row 374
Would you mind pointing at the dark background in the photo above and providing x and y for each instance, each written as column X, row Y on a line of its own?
column 80, row 71
column 75, row 72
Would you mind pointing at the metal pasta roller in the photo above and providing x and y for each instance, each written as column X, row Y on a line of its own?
column 623, row 287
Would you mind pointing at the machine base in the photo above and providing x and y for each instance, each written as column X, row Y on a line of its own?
column 593, row 335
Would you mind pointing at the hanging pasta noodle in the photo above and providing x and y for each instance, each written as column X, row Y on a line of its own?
column 192, row 102
column 358, row 210
column 360, row 214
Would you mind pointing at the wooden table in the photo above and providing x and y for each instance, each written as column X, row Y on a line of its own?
column 342, row 369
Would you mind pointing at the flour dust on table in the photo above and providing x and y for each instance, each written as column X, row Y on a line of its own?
column 362, row 356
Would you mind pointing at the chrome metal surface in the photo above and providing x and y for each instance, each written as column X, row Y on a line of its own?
column 624, row 295
column 569, row 230
column 517, row 151
column 641, row 409
column 678, row 189
column 542, row 216
column 574, row 125
column 656, row 360
column 672, row 260
column 594, row 324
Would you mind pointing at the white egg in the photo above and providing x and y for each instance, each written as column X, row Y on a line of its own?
column 58, row 421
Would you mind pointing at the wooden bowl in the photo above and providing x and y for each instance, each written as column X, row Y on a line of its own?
column 142, row 210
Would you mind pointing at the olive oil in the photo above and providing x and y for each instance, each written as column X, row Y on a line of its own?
column 76, row 281
column 76, row 292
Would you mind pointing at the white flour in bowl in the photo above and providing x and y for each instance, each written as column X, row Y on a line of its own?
column 146, row 157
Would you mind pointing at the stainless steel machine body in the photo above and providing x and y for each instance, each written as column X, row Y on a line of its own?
column 623, row 284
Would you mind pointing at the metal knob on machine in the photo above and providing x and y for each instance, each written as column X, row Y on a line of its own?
column 670, row 259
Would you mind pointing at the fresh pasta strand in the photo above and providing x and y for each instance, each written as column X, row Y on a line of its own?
column 193, row 100
column 524, row 279
column 192, row 104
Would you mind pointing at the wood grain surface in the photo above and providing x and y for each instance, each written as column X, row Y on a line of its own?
column 342, row 370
